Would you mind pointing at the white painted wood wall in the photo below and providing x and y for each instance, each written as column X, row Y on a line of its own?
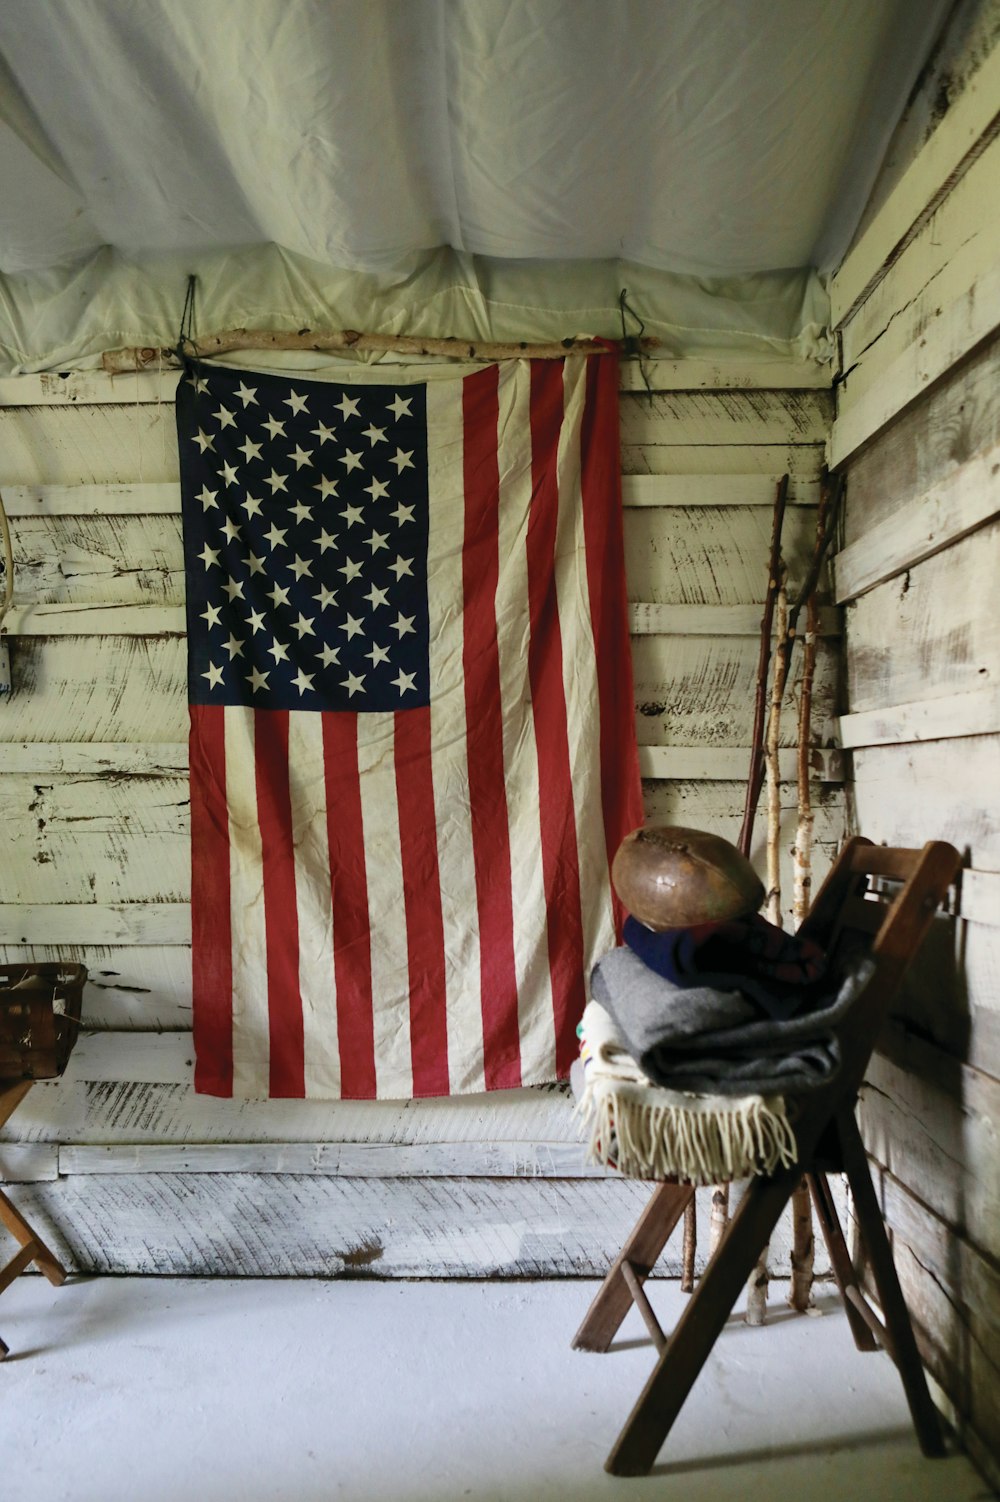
column 125, row 1167
column 918, row 431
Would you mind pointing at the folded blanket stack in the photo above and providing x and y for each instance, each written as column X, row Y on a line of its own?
column 649, row 1132
column 685, row 1080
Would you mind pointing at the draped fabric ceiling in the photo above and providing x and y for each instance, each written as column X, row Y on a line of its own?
column 497, row 168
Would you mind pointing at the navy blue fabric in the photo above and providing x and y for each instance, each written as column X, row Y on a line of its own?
column 780, row 973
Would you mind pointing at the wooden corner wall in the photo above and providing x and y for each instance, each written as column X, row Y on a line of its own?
column 128, row 1170
column 917, row 431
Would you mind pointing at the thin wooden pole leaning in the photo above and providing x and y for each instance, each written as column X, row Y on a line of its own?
column 803, row 1239
column 755, row 774
column 772, row 770
column 332, row 341
column 755, row 777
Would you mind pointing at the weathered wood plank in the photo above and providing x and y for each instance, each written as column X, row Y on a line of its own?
column 908, row 794
column 801, row 462
column 140, row 499
column 103, row 689
column 126, row 442
column 164, row 498
column 719, row 417
column 926, row 180
column 713, row 490
column 968, row 1278
column 932, row 1122
column 958, row 1345
column 700, row 692
column 710, row 620
column 109, row 560
column 981, row 899
column 127, row 1112
column 961, row 502
column 106, row 840
column 747, row 372
column 951, row 997
column 70, row 923
column 883, row 386
column 923, row 448
column 47, row 759
column 121, row 759
column 714, row 762
column 703, row 555
column 87, row 387
column 94, row 618
column 28, row 1162
column 976, row 712
column 698, row 555
column 346, row 1160
column 42, row 759
column 930, row 634
column 160, row 961
column 148, row 987
column 210, row 1225
column 115, row 445
column 952, row 250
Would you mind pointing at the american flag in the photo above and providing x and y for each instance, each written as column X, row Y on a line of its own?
column 412, row 741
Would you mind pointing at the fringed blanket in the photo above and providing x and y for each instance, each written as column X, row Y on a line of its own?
column 715, row 1042
column 648, row 1132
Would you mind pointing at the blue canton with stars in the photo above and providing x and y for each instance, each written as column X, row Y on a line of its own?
column 305, row 539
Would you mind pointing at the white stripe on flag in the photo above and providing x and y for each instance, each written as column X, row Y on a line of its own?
column 386, row 906
column 251, row 1023
column 580, row 680
column 314, row 904
column 531, row 952
column 448, row 737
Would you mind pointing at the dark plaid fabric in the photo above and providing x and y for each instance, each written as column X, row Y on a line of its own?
column 780, row 973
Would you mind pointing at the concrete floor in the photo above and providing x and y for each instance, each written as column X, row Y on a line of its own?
column 145, row 1390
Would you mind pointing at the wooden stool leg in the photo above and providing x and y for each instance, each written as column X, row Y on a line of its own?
column 664, row 1395
column 840, row 1258
column 650, row 1235
column 926, row 1420
column 22, row 1232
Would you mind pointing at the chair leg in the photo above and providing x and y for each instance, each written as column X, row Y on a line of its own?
column 649, row 1236
column 22, row 1232
column 661, row 1400
column 926, row 1420
column 840, row 1257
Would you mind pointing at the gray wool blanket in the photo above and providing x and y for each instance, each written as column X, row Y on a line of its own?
column 713, row 1042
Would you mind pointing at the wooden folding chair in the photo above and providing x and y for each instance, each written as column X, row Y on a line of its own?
column 33, row 1248
column 851, row 911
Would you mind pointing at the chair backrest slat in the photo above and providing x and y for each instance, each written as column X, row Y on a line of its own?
column 851, row 914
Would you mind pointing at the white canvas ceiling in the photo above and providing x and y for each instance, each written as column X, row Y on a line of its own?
column 438, row 166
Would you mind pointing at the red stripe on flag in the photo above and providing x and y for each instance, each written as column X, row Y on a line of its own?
column 211, row 931
column 352, row 953
column 281, row 921
column 484, row 732
column 560, row 860
column 621, row 789
column 422, row 897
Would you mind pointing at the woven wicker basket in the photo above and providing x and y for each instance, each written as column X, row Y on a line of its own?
column 39, row 1019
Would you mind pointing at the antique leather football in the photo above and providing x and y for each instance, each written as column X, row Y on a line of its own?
column 671, row 877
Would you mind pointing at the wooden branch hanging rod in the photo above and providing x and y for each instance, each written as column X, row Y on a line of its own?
column 118, row 361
